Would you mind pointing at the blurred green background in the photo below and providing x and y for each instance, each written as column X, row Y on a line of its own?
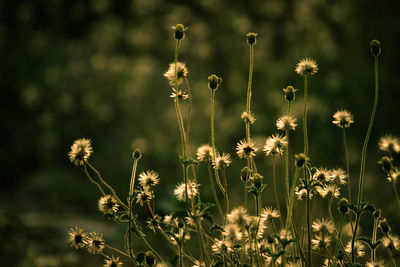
column 93, row 69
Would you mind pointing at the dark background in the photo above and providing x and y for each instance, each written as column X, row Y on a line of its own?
column 93, row 69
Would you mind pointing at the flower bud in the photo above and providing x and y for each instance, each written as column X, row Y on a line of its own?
column 244, row 174
column 301, row 159
column 137, row 154
column 375, row 48
column 386, row 163
column 343, row 206
column 251, row 38
column 179, row 31
column 149, row 258
column 214, row 82
column 289, row 93
column 377, row 213
column 384, row 226
column 257, row 180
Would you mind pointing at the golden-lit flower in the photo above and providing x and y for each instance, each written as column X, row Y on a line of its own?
column 275, row 145
column 222, row 160
column 376, row 263
column 190, row 187
column 338, row 176
column 343, row 118
column 144, row 195
column 320, row 241
column 389, row 143
column 204, row 153
column 286, row 122
column 246, row 149
column 149, row 179
column 95, row 243
column 270, row 212
column 179, row 94
column 108, row 205
column 306, row 66
column 359, row 248
column 181, row 72
column 221, row 246
column 321, row 175
column 302, row 193
column 324, row 226
column 238, row 216
column 80, row 152
column 391, row 242
column 232, row 232
column 394, row 175
column 77, row 238
column 248, row 118
column 285, row 234
column 112, row 262
column 330, row 190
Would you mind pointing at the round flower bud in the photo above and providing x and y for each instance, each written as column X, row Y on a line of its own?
column 244, row 174
column 343, row 206
column 301, row 159
column 257, row 180
column 289, row 93
column 149, row 258
column 375, row 48
column 214, row 82
column 179, row 31
column 251, row 38
column 384, row 226
column 386, row 163
column 137, row 154
column 377, row 213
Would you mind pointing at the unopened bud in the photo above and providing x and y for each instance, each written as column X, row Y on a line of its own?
column 375, row 48
column 301, row 159
column 251, row 38
column 289, row 93
column 137, row 154
column 244, row 174
column 343, row 206
column 214, row 82
column 386, row 163
column 179, row 31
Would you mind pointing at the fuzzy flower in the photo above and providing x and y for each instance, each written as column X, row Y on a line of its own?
column 286, row 122
column 222, row 160
column 343, row 118
column 321, row 175
column 108, row 205
column 179, row 94
column 359, row 248
column 80, row 152
column 180, row 190
column 285, row 234
column 204, row 153
column 275, row 145
column 330, row 190
column 248, row 118
column 143, row 196
column 320, row 242
column 389, row 143
column 394, row 175
column 270, row 212
column 148, row 179
column 338, row 176
column 376, row 263
column 181, row 72
column 391, row 242
column 77, row 238
column 246, row 149
column 302, row 193
column 306, row 66
column 232, row 232
column 112, row 262
column 221, row 246
column 238, row 216
column 95, row 243
column 324, row 226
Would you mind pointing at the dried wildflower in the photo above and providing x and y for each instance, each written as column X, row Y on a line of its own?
column 343, row 118
column 80, row 152
column 251, row 38
column 391, row 242
column 148, row 179
column 248, row 118
column 238, row 216
column 324, row 226
column 182, row 95
column 376, row 263
column 359, row 248
column 389, row 143
column 204, row 153
column 181, row 72
column 112, row 262
column 302, row 193
column 143, row 196
column 338, row 176
column 394, row 175
column 320, row 242
column 270, row 212
column 286, row 122
column 108, row 205
column 222, row 160
column 306, row 66
column 221, row 246
column 180, row 190
column 95, row 243
column 246, row 149
column 289, row 93
column 154, row 222
column 285, row 234
column 330, row 190
column 275, row 145
column 321, row 175
column 232, row 232
column 77, row 238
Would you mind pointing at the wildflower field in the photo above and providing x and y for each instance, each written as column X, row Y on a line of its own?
column 201, row 134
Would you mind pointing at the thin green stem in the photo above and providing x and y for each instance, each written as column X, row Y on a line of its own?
column 391, row 256
column 248, row 98
column 213, row 190
column 374, row 232
column 133, row 175
column 92, row 180
column 275, row 189
column 308, row 215
column 305, row 115
column 117, row 250
column 180, row 256
column 354, row 236
column 346, row 150
column 338, row 238
column 226, row 189
column 396, row 192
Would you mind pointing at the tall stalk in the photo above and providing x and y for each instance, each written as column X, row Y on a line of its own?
column 305, row 133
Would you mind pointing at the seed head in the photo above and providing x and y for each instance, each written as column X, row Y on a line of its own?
column 181, row 72
column 375, row 46
column 324, row 226
column 108, row 205
column 306, row 66
column 343, row 118
column 390, row 144
column 238, row 216
column 275, row 145
column 393, row 175
column 80, row 152
column 77, row 238
column 376, row 263
column 179, row 31
column 289, row 93
column 251, row 38
column 112, row 262
column 192, row 190
column 214, row 82
column 223, row 160
column 148, row 179
column 391, row 242
column 246, row 149
column 204, row 153
column 286, row 122
column 95, row 243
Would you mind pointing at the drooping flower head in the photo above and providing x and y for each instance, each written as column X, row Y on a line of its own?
column 343, row 118
column 324, row 226
column 286, row 122
column 306, row 66
column 359, row 248
column 108, row 205
column 246, row 149
column 270, row 212
column 80, row 152
column 389, row 143
column 391, row 241
column 181, row 73
column 275, row 145
column 204, row 153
